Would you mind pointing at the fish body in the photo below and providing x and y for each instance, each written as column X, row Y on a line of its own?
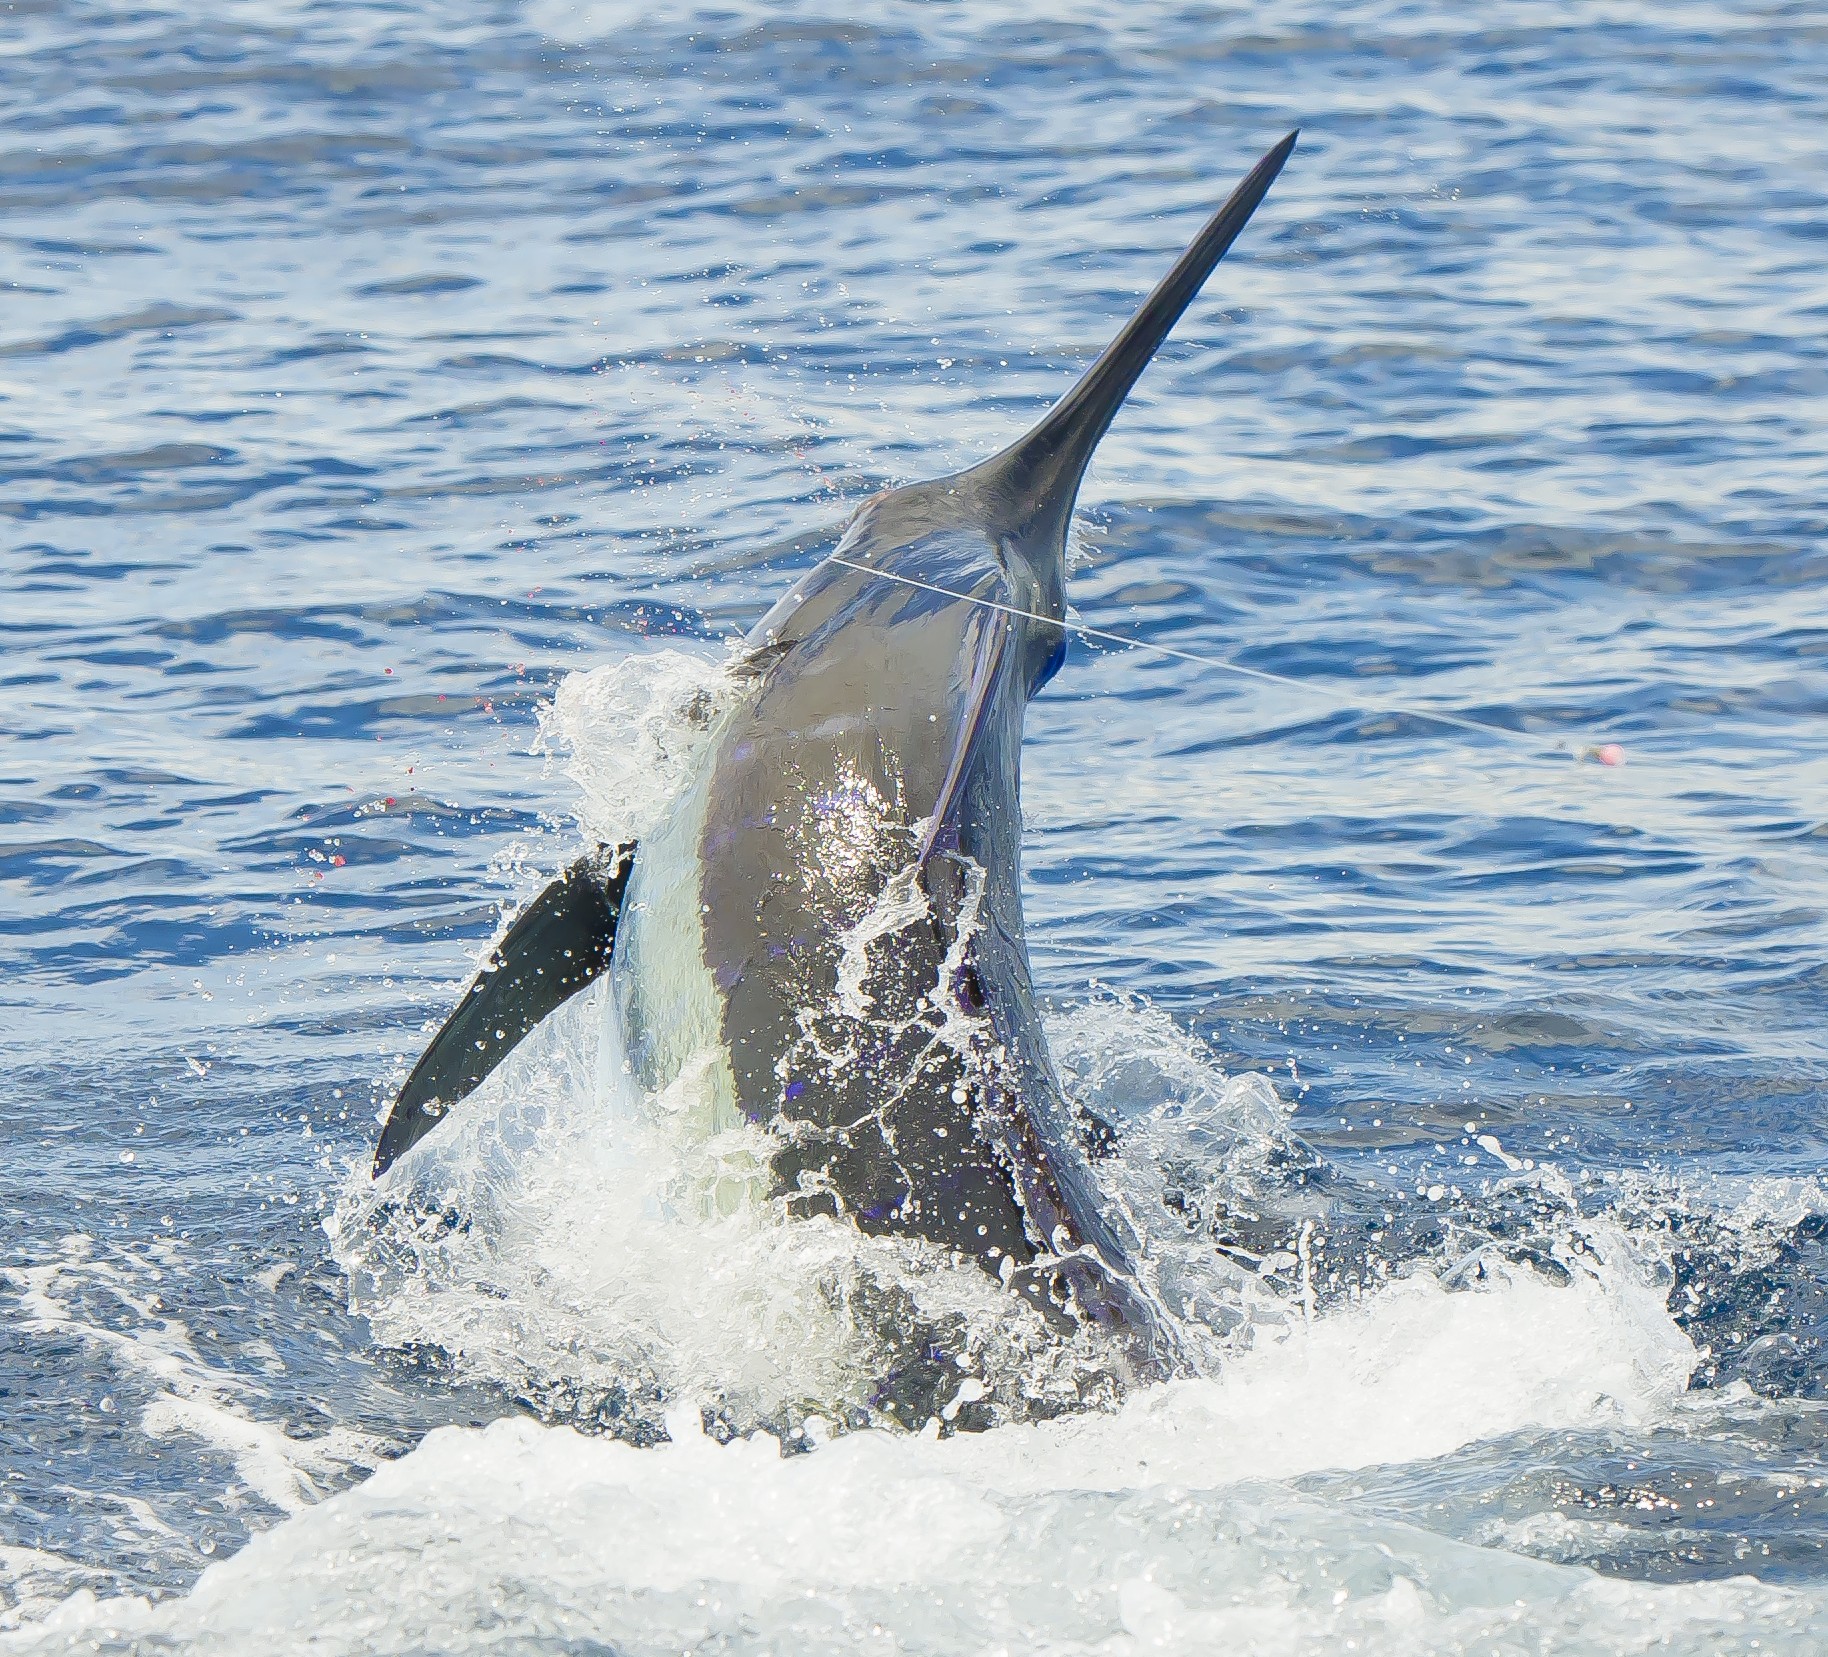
column 824, row 935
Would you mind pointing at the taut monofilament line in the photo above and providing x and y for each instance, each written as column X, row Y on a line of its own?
column 1608, row 753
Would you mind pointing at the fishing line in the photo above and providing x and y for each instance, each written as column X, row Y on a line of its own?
column 1609, row 753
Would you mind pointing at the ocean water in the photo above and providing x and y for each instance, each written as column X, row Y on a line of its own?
column 400, row 408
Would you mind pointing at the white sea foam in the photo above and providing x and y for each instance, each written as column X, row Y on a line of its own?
column 1153, row 1527
column 150, row 1347
column 1156, row 1527
column 35, row 1581
column 560, row 1236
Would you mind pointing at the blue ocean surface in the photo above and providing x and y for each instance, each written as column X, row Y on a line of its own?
column 369, row 373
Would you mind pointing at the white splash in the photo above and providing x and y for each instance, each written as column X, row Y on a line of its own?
column 577, row 1241
column 902, row 903
column 1157, row 1527
column 566, row 1238
column 632, row 730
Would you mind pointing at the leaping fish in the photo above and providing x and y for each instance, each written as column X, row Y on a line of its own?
column 831, row 908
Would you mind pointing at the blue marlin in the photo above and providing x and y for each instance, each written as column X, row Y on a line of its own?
column 828, row 921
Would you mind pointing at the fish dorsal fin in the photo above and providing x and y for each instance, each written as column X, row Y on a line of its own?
column 1028, row 490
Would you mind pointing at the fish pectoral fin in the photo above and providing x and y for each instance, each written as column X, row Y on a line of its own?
column 557, row 945
column 981, row 649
